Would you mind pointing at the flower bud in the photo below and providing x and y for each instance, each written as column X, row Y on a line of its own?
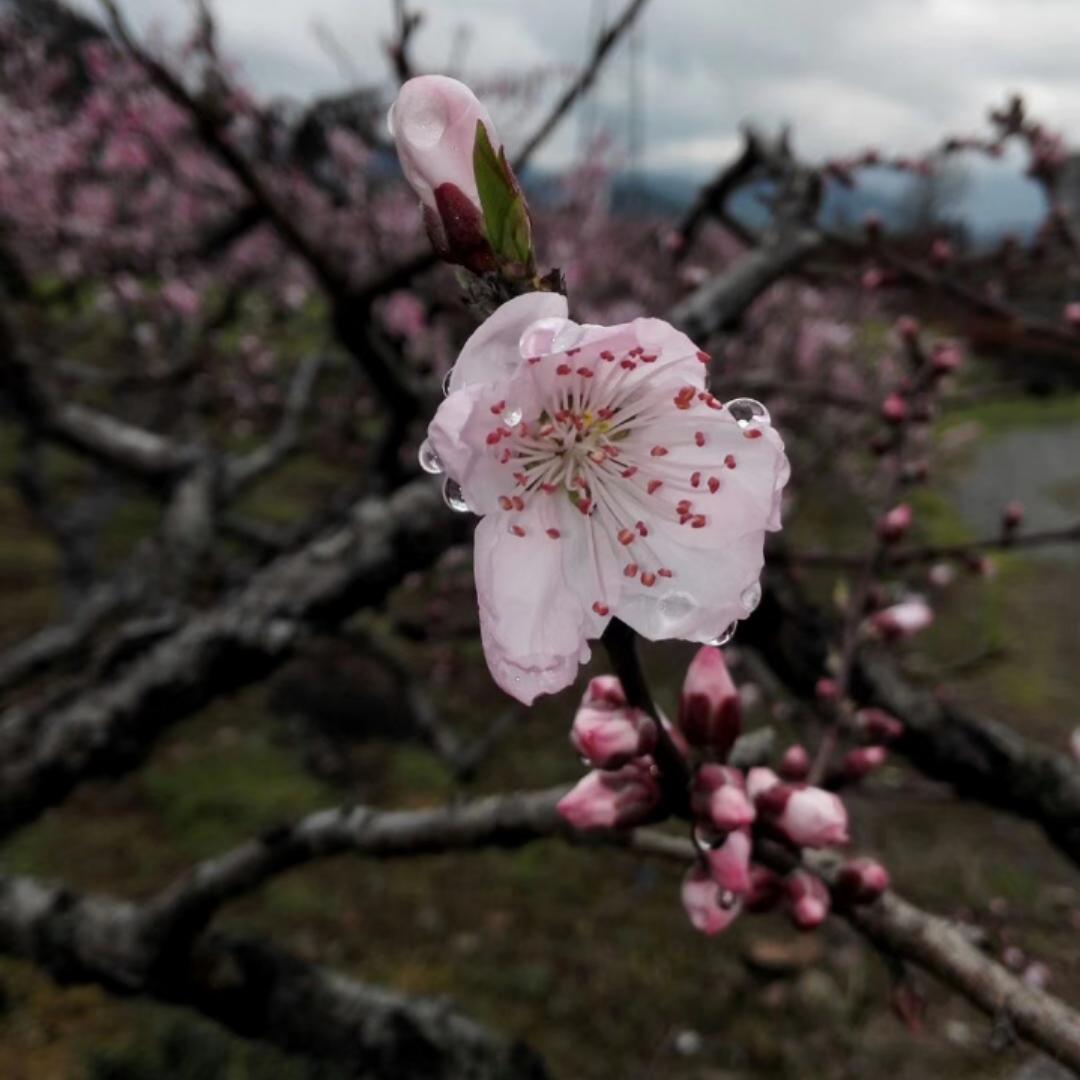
column 1012, row 516
column 1072, row 315
column 862, row 761
column 894, row 409
column 872, row 279
column 611, row 800
column 718, row 797
column 765, row 892
column 604, row 689
column 758, row 781
column 827, row 690
column 809, row 899
column 710, row 714
column 902, row 620
column 861, row 881
column 609, row 736
column 795, row 764
column 708, row 908
column 941, row 252
column 894, row 524
column 807, row 816
column 729, row 863
column 878, row 725
column 435, row 124
column 946, row 357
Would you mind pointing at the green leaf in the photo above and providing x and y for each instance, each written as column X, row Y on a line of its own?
column 506, row 217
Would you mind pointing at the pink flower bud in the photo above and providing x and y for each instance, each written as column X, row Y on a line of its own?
column 612, row 800
column 758, row 781
column 809, row 899
column 827, row 690
column 941, row 575
column 878, row 725
column 710, row 714
column 893, row 525
column 1072, row 315
column 765, row 892
column 718, row 797
column 940, row 252
column 902, row 620
column 946, row 357
column 807, row 816
column 894, row 409
column 873, row 279
column 433, row 123
column 729, row 863
column 907, row 327
column 1012, row 516
column 861, row 881
column 609, row 736
column 795, row 764
column 708, row 908
column 606, row 689
column 862, row 761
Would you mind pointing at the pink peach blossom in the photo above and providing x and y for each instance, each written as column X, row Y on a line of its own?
column 611, row 483
column 718, row 797
column 807, row 816
column 809, row 899
column 903, row 620
column 729, row 863
column 610, row 734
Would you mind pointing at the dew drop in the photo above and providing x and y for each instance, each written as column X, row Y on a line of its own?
column 751, row 597
column 422, row 121
column 709, row 838
column 675, row 606
column 726, row 899
column 453, row 496
column 746, row 411
column 512, row 417
column 430, row 462
column 724, row 636
column 446, row 382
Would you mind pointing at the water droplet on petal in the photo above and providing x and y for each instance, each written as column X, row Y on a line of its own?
column 726, row 899
column 675, row 606
column 746, row 411
column 709, row 838
column 421, row 119
column 724, row 636
column 512, row 417
column 539, row 337
column 454, row 497
column 390, row 121
column 430, row 462
column 751, row 597
column 446, row 382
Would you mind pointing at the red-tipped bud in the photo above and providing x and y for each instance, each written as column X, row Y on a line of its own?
column 1012, row 516
column 861, row 881
column 604, row 689
column 862, row 761
column 709, row 711
column 946, row 357
column 718, row 797
column 795, row 764
column 707, row 906
column 941, row 252
column 902, row 620
column 807, row 816
column 809, row 899
column 894, row 409
column 877, row 725
column 609, row 736
column 729, row 863
column 827, row 690
column 612, row 800
column 766, row 890
column 907, row 326
column 893, row 525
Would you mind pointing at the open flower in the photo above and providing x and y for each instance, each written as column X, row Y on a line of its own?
column 611, row 483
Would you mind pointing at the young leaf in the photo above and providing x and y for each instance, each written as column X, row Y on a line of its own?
column 506, row 217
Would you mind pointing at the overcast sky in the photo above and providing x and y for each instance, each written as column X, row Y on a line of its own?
column 845, row 73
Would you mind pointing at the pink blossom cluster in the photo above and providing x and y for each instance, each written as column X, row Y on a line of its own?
column 736, row 814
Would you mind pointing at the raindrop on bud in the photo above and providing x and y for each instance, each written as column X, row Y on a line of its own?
column 746, row 411
column 453, row 497
column 430, row 462
column 512, row 417
column 724, row 636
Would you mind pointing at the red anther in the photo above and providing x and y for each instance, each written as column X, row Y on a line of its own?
column 554, row 533
column 601, row 609
column 498, row 407
column 630, row 569
column 752, row 433
column 585, row 373
column 642, row 528
column 549, row 489
column 535, row 359
column 648, row 580
column 654, row 486
column 648, row 358
column 683, row 506
column 519, row 502
column 506, row 502
column 665, row 572
column 628, row 365
column 607, row 354
column 729, row 461
column 626, row 536
column 627, row 473
column 699, row 438
column 695, row 479
column 517, row 530
column 698, row 521
column 563, row 369
column 704, row 357
column 493, row 437
column 714, row 484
